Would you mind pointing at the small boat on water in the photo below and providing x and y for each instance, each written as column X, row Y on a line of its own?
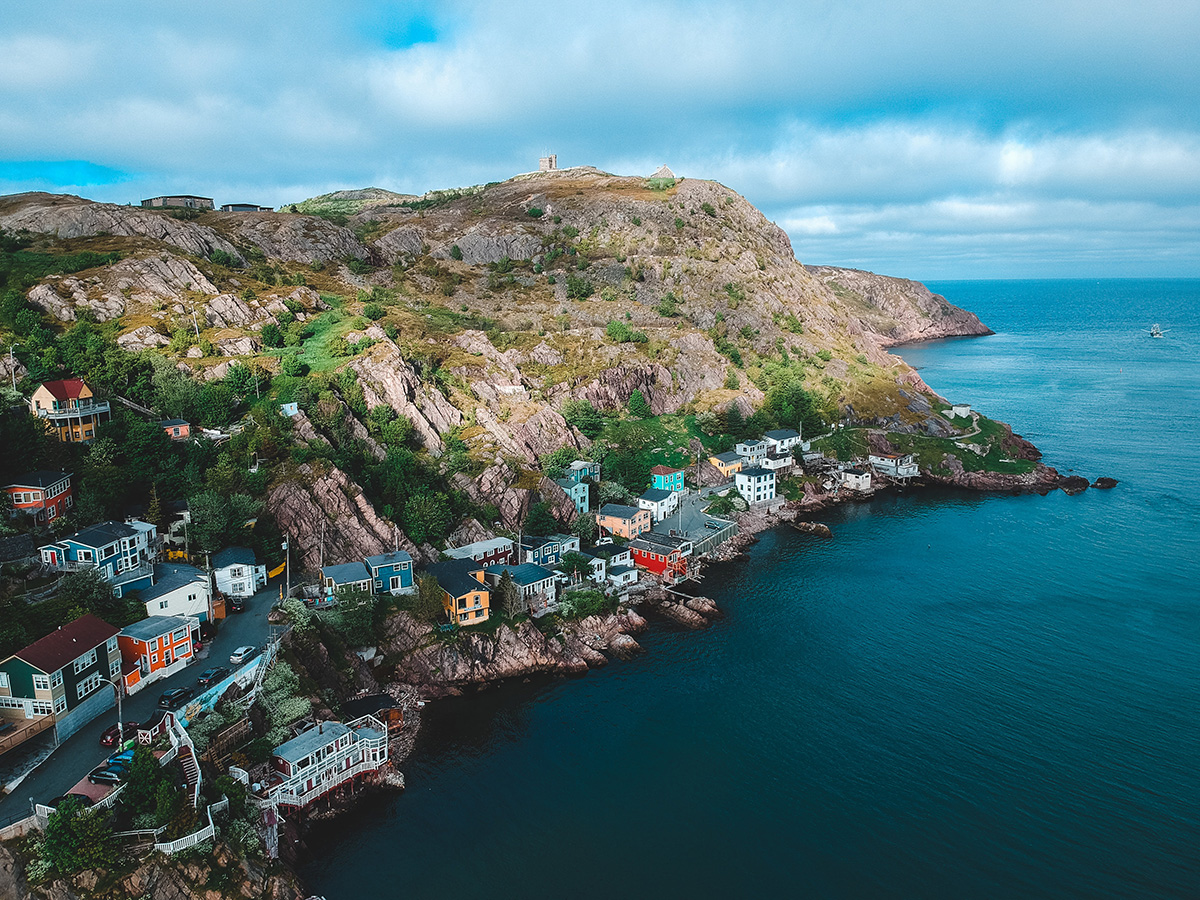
column 1156, row 331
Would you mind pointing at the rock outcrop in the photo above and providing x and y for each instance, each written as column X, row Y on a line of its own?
column 513, row 493
column 295, row 238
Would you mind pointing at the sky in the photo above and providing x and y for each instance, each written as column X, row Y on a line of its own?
column 930, row 140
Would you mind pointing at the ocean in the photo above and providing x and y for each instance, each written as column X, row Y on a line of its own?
column 959, row 695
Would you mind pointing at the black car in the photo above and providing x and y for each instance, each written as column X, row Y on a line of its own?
column 173, row 698
column 84, row 800
column 113, row 773
column 237, row 605
column 211, row 676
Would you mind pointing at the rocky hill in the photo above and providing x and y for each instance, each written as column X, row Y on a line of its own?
column 478, row 316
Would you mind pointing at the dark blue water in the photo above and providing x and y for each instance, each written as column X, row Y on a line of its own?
column 959, row 696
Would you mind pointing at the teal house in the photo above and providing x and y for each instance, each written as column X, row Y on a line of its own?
column 664, row 478
column 391, row 573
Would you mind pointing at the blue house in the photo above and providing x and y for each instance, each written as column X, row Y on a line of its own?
column 541, row 551
column 664, row 478
column 123, row 552
column 577, row 491
column 581, row 469
column 391, row 573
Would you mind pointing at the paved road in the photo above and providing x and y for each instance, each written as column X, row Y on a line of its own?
column 82, row 752
column 688, row 518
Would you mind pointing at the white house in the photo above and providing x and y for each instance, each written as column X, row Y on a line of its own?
column 896, row 465
column 619, row 569
column 959, row 411
column 326, row 756
column 782, row 440
column 856, row 479
column 779, row 463
column 752, row 451
column 237, row 573
column 660, row 503
column 756, row 485
column 178, row 590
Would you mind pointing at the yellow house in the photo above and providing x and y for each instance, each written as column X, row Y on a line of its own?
column 69, row 409
column 623, row 521
column 465, row 597
column 728, row 464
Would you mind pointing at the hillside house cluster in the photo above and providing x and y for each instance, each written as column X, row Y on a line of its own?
column 123, row 552
column 384, row 573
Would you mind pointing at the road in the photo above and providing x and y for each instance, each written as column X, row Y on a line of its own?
column 82, row 752
column 690, row 513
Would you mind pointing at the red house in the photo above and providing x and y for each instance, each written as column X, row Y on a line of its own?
column 155, row 648
column 176, row 429
column 663, row 554
column 45, row 495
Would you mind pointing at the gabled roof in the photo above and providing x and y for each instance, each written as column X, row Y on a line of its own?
column 170, row 423
column 608, row 551
column 655, row 495
column 315, row 738
column 388, row 559
column 170, row 577
column 42, row 478
column 756, row 472
column 533, row 541
column 663, row 172
column 524, row 574
column 618, row 511
column 483, row 547
column 65, row 389
column 346, row 573
column 729, row 456
column 233, row 556
column 150, row 628
column 67, row 643
column 782, row 434
column 664, row 541
column 455, row 576
column 103, row 534
column 664, row 470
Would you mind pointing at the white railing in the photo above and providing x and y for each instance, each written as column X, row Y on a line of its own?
column 108, row 800
column 281, row 795
column 84, row 409
column 190, row 840
column 220, row 806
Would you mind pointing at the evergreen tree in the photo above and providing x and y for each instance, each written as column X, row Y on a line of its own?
column 638, row 406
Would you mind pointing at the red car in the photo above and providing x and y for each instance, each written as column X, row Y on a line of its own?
column 110, row 736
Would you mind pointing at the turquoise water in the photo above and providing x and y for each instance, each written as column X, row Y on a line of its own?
column 958, row 696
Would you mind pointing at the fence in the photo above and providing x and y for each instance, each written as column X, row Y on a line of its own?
column 190, row 840
column 708, row 542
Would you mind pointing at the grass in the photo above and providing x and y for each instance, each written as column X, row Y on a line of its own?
column 661, row 440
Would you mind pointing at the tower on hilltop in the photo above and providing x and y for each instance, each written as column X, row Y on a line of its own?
column 548, row 163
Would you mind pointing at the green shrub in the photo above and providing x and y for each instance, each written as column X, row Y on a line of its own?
column 638, row 406
column 374, row 311
column 679, row 223
column 292, row 366
column 534, row 212
column 271, row 335
column 578, row 287
column 570, row 232
column 221, row 258
column 636, row 221
column 708, row 209
column 456, row 253
column 668, row 307
column 825, row 355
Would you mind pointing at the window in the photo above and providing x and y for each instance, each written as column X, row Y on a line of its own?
column 3, row 679
column 60, row 705
column 88, row 685
column 85, row 556
column 41, row 682
column 163, row 604
column 42, row 707
column 179, row 636
column 114, row 668
column 86, row 660
column 111, row 646
column 70, row 501
column 153, row 657
column 56, row 678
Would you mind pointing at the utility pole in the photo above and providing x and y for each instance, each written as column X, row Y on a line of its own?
column 116, row 686
column 12, row 366
column 287, row 564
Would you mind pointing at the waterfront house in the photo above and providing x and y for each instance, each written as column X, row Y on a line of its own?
column 901, row 466
column 727, row 463
column 351, row 576
column 752, row 452
column 959, row 411
column 583, row 468
column 856, row 479
column 622, row 576
column 42, row 495
column 782, row 440
column 494, row 552
column 536, row 584
column 613, row 554
column 184, row 201
column 63, row 676
column 665, row 478
column 237, row 573
column 123, row 552
column 176, row 429
column 156, row 648
column 663, row 554
column 779, row 463
column 466, row 598
column 658, row 503
column 756, row 485
column 69, row 409
column 391, row 573
column 325, row 757
column 617, row 520
column 577, row 491
column 178, row 590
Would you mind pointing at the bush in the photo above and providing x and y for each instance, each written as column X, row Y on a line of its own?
column 638, row 405
column 221, row 258
column 708, row 209
column 668, row 307
column 570, row 232
column 824, row 355
column 621, row 333
column 578, row 288
column 271, row 335
column 292, row 366
column 636, row 221
column 679, row 223
column 456, row 253
column 374, row 311
column 534, row 212
column 732, row 382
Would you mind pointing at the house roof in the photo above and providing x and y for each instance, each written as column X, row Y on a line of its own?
column 152, row 627
column 618, row 511
column 65, row 389
column 729, row 456
column 621, row 570
column 755, row 444
column 484, row 547
column 388, row 559
column 663, row 172
column 170, row 423
column 655, row 495
column 756, row 472
column 455, row 576
column 565, row 538
column 67, row 643
column 102, row 534
column 856, row 471
column 42, row 478
column 660, row 541
column 315, row 738
column 607, row 551
column 524, row 574
column 533, row 541
column 170, row 577
column 233, row 556
column 583, row 464
column 781, row 434
column 664, row 470
column 346, row 573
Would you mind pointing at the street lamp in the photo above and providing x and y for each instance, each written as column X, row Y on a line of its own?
column 115, row 684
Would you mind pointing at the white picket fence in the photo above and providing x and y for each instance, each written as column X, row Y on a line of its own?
column 190, row 840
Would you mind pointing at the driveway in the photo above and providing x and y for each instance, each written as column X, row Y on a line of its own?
column 82, row 752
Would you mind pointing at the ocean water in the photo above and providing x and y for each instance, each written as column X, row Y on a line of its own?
column 958, row 696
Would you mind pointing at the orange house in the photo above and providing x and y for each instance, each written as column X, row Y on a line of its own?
column 155, row 648
column 623, row 521
column 69, row 409
column 465, row 596
column 45, row 495
column 176, row 429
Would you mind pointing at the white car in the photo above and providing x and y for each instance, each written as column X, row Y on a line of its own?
column 241, row 654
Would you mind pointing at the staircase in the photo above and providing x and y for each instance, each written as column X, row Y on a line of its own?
column 191, row 771
column 145, row 411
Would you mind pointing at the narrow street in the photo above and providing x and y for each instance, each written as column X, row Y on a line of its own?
column 82, row 751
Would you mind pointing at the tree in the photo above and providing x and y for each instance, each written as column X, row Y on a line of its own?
column 145, row 776
column 508, row 596
column 583, row 416
column 271, row 335
column 77, row 839
column 540, row 520
column 638, row 406
column 427, row 516
column 291, row 366
column 429, row 603
column 614, row 492
column 585, row 528
column 554, row 464
column 576, row 565
column 88, row 591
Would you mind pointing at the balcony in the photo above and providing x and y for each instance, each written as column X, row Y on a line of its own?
column 78, row 412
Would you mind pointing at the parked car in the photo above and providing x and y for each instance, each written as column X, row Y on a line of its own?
column 84, row 800
column 106, row 774
column 209, row 677
column 172, row 698
column 241, row 654
column 237, row 605
column 111, row 735
column 124, row 758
